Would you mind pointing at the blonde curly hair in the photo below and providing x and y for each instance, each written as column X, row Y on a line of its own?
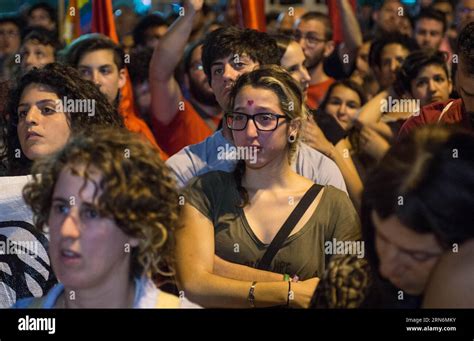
column 138, row 192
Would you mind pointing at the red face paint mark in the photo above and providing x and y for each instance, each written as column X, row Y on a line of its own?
column 249, row 102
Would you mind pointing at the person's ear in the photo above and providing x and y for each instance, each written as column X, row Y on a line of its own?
column 450, row 86
column 329, row 48
column 295, row 126
column 122, row 78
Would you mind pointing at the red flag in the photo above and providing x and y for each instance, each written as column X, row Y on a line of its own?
column 103, row 22
column 336, row 20
column 251, row 14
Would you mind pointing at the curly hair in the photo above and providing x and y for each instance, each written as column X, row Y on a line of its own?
column 280, row 82
column 66, row 82
column 377, row 46
column 136, row 189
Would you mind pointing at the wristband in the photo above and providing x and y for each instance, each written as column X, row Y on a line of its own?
column 251, row 296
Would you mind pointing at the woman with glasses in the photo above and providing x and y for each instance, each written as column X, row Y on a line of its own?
column 237, row 215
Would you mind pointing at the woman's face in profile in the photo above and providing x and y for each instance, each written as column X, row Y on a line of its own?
column 43, row 128
column 406, row 257
column 86, row 249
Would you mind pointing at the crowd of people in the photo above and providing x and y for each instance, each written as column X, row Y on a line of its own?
column 256, row 169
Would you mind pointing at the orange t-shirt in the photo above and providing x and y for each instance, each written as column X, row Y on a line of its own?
column 137, row 125
column 186, row 128
column 316, row 93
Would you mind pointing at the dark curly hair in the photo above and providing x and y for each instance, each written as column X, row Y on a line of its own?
column 66, row 82
column 225, row 41
column 137, row 191
column 377, row 46
column 41, row 36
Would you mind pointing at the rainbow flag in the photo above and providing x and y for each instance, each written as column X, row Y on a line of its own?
column 72, row 19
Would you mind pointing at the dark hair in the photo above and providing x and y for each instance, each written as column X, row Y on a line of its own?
column 230, row 40
column 378, row 45
column 188, row 53
column 90, row 43
column 138, row 192
column 283, row 41
column 431, row 13
column 324, row 19
column 65, row 82
column 44, row 6
column 151, row 20
column 17, row 21
column 427, row 181
column 348, row 83
column 414, row 64
column 465, row 47
column 43, row 36
column 140, row 58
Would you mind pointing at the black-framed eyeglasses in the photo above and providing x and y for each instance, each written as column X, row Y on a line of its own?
column 262, row 121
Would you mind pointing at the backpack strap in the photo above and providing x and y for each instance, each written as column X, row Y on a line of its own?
column 288, row 226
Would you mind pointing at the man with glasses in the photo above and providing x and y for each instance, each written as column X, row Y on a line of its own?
column 180, row 120
column 314, row 33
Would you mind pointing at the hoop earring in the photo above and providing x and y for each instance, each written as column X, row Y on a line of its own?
column 291, row 138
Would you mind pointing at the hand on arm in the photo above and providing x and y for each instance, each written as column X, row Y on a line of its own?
column 372, row 110
column 195, row 272
column 340, row 154
column 372, row 143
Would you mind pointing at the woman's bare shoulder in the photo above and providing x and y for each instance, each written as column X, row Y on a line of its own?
column 451, row 283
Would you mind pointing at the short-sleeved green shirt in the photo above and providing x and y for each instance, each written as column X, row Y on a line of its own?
column 215, row 195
